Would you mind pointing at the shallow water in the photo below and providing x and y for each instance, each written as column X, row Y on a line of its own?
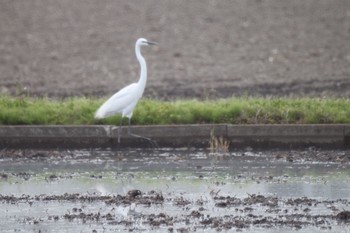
column 191, row 175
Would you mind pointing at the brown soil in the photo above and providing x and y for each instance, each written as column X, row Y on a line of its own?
column 206, row 48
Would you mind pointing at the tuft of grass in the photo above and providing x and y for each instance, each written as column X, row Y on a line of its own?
column 31, row 111
column 245, row 110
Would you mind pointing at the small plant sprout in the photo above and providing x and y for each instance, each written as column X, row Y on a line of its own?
column 218, row 144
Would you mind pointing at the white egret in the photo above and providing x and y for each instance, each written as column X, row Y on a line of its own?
column 124, row 101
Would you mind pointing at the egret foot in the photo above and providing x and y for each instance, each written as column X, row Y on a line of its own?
column 153, row 143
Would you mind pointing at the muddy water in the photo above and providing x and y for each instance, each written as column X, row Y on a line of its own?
column 173, row 191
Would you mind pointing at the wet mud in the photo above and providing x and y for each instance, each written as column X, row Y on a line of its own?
column 311, row 154
column 241, row 213
column 170, row 190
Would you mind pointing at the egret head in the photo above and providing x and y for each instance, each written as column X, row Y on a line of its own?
column 143, row 41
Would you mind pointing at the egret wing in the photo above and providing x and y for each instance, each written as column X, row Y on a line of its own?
column 118, row 102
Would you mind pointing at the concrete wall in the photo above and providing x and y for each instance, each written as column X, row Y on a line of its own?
column 255, row 136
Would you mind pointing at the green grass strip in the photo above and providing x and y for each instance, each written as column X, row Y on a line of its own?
column 245, row 110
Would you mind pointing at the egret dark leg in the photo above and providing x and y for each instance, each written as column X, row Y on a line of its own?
column 120, row 128
column 153, row 143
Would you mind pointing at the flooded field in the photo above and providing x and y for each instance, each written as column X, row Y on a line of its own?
column 183, row 190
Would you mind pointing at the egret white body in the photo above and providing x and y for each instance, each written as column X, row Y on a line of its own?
column 124, row 101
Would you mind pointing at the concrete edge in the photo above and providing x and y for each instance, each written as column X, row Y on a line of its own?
column 255, row 136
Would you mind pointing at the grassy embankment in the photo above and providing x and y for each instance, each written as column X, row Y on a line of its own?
column 19, row 111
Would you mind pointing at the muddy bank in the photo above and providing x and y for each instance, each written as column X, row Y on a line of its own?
column 311, row 154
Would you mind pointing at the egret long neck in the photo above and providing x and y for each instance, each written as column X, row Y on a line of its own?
column 143, row 74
